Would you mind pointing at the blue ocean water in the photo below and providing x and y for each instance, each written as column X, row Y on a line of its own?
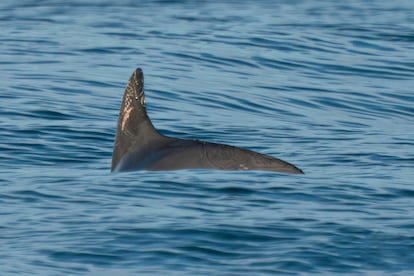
column 325, row 85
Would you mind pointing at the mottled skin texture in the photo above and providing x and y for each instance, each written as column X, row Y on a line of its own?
column 139, row 146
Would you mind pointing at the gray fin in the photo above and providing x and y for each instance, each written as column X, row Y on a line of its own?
column 134, row 128
column 139, row 146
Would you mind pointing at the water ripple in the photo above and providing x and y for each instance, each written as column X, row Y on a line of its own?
column 326, row 86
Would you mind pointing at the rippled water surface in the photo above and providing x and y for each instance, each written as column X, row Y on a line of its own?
column 327, row 86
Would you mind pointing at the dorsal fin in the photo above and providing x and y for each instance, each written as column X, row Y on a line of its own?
column 139, row 146
column 134, row 126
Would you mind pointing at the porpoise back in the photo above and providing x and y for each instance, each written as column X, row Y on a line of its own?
column 139, row 146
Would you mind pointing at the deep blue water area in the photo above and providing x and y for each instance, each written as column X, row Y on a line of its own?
column 325, row 85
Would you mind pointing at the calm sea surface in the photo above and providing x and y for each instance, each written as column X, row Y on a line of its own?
column 325, row 85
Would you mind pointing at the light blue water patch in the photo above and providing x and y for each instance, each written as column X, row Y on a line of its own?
column 327, row 86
